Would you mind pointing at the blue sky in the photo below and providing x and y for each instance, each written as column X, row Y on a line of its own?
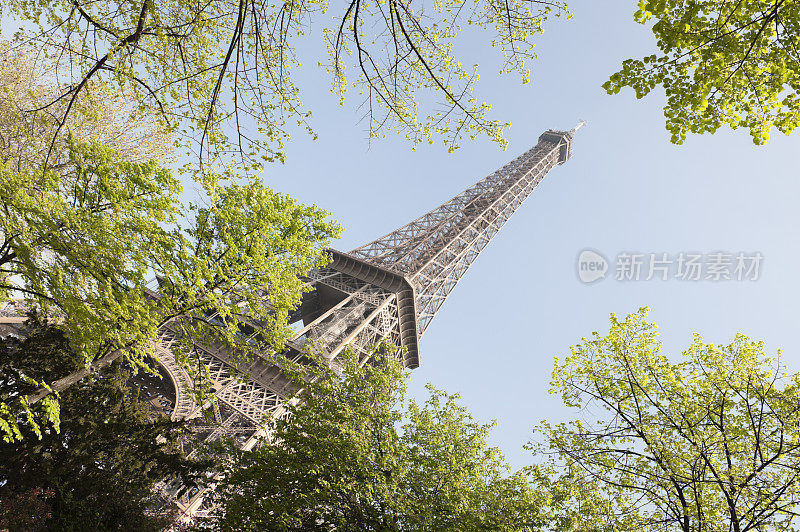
column 625, row 189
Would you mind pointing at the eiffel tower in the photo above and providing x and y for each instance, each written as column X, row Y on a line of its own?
column 389, row 289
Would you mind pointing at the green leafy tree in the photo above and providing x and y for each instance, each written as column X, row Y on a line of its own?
column 81, row 244
column 220, row 73
column 99, row 470
column 720, row 62
column 85, row 224
column 102, row 113
column 354, row 454
column 707, row 442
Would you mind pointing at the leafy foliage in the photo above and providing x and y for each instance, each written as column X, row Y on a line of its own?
column 99, row 470
column 720, row 62
column 354, row 454
column 25, row 510
column 707, row 443
column 81, row 244
column 209, row 65
column 28, row 126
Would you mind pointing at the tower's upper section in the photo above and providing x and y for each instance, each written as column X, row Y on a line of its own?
column 429, row 255
column 563, row 139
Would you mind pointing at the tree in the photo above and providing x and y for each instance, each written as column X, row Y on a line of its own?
column 720, row 62
column 99, row 470
column 354, row 454
column 710, row 442
column 83, row 231
column 101, row 113
column 206, row 66
column 23, row 511
column 82, row 244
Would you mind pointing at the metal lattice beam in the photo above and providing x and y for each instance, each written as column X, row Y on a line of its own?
column 434, row 251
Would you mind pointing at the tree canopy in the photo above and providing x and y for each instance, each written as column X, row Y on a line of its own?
column 103, row 113
column 99, row 470
column 83, row 244
column 720, row 62
column 709, row 441
column 355, row 454
column 87, row 224
column 220, row 73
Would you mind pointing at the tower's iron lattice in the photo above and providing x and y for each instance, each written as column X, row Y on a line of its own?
column 389, row 289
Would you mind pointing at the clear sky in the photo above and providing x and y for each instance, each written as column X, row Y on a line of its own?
column 626, row 189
